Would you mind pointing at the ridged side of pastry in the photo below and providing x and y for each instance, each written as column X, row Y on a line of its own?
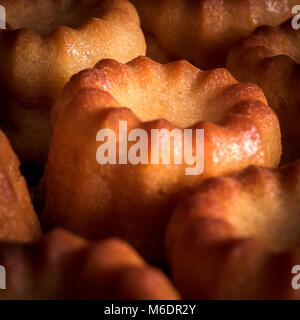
column 65, row 266
column 134, row 201
column 60, row 43
column 18, row 221
column 270, row 58
column 238, row 237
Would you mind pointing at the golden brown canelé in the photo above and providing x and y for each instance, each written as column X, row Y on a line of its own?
column 65, row 266
column 270, row 58
column 238, row 237
column 134, row 201
column 48, row 41
column 18, row 221
column 202, row 31
column 52, row 40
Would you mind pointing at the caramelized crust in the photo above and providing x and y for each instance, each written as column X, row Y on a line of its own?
column 270, row 58
column 238, row 237
column 18, row 221
column 65, row 266
column 134, row 201
column 61, row 38
column 202, row 31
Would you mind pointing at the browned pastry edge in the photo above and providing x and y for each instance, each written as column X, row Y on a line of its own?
column 65, row 266
column 238, row 237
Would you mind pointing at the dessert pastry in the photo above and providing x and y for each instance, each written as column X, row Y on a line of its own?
column 52, row 40
column 202, row 31
column 18, row 221
column 270, row 59
column 47, row 43
column 65, row 266
column 238, row 237
column 133, row 200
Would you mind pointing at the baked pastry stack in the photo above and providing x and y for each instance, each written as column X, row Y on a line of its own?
column 60, row 265
column 215, row 211
column 134, row 201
